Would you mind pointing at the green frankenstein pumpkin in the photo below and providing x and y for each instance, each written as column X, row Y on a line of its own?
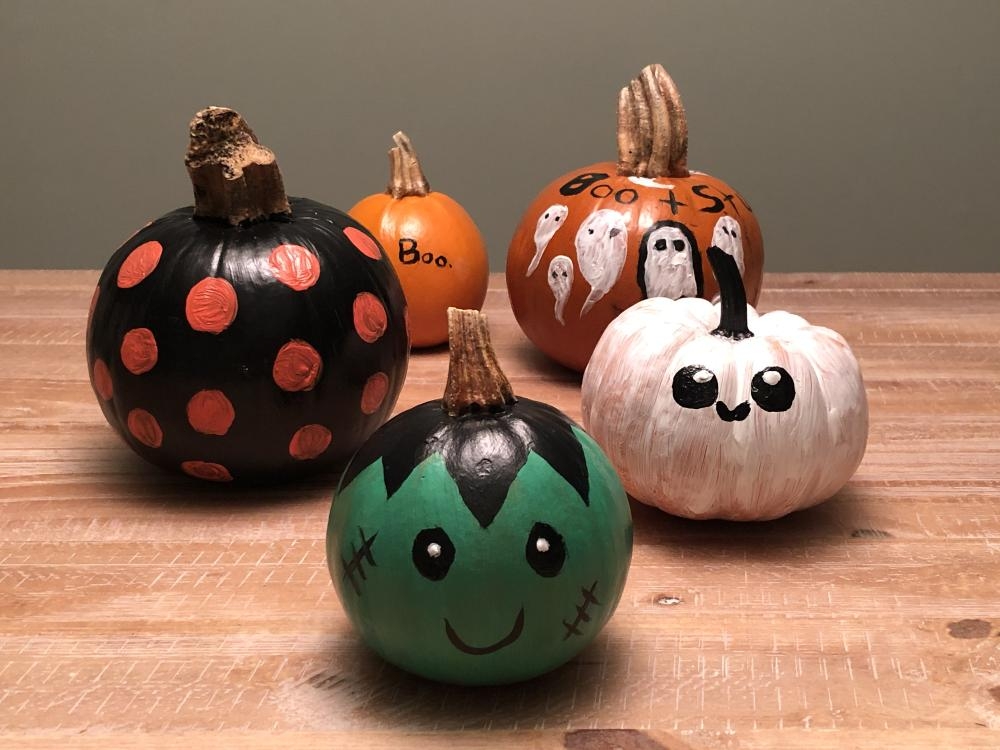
column 480, row 539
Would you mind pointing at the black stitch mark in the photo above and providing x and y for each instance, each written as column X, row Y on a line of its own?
column 358, row 557
column 581, row 611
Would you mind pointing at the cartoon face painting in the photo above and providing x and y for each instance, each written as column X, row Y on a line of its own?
column 482, row 549
column 669, row 262
column 727, row 237
column 697, row 387
column 601, row 243
column 561, row 282
column 549, row 222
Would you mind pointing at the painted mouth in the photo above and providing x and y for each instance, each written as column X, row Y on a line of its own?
column 508, row 639
column 737, row 414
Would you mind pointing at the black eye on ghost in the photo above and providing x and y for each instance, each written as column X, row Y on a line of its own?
column 661, row 244
column 697, row 387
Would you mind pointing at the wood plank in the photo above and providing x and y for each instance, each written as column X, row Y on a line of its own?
column 140, row 609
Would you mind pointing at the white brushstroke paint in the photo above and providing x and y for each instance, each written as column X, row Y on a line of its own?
column 668, row 268
column 560, row 282
column 649, row 182
column 601, row 243
column 728, row 236
column 548, row 224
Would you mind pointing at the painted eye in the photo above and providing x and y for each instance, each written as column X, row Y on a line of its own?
column 660, row 244
column 590, row 231
column 433, row 553
column 546, row 216
column 773, row 389
column 695, row 387
column 545, row 550
column 680, row 246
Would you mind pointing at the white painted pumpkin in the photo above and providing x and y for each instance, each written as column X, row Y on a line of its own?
column 713, row 411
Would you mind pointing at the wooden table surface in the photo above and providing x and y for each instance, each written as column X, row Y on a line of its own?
column 141, row 609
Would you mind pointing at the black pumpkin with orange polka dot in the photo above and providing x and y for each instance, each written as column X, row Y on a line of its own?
column 252, row 337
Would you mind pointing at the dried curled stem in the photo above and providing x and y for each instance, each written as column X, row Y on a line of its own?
column 475, row 380
column 235, row 179
column 652, row 127
column 405, row 176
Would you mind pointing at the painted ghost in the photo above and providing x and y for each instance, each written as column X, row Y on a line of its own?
column 560, row 282
column 669, row 262
column 549, row 222
column 727, row 237
column 600, row 252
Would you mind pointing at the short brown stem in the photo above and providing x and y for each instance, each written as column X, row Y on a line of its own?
column 235, row 179
column 405, row 175
column 475, row 380
column 652, row 127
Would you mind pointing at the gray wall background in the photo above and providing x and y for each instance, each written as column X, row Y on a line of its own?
column 865, row 133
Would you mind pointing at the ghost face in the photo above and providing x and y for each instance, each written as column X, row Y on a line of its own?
column 560, row 282
column 727, row 237
column 549, row 222
column 601, row 243
column 669, row 262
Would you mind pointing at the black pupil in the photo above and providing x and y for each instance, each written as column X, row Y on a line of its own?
column 777, row 397
column 660, row 244
column 545, row 550
column 680, row 246
column 433, row 566
column 692, row 394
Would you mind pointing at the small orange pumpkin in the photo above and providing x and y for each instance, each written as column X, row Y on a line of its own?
column 433, row 244
column 601, row 238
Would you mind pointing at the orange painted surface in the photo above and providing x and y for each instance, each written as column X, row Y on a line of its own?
column 139, row 264
column 572, row 342
column 207, row 470
column 211, row 305
column 309, row 442
column 374, row 392
column 139, row 351
column 145, row 428
column 102, row 380
column 297, row 367
column 294, row 266
column 370, row 319
column 210, row 412
column 363, row 242
column 438, row 253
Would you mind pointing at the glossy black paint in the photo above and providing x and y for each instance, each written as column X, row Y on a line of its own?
column 546, row 562
column 239, row 360
column 732, row 294
column 483, row 452
column 777, row 397
column 691, row 394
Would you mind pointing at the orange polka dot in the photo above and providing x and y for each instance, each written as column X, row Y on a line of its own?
column 139, row 351
column 297, row 366
column 364, row 243
column 374, row 393
column 309, row 442
column 139, row 264
column 211, row 305
column 102, row 380
column 294, row 266
column 210, row 412
column 145, row 428
column 370, row 319
column 207, row 470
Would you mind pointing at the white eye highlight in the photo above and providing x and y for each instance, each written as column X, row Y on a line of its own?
column 771, row 377
column 542, row 544
column 703, row 376
column 434, row 549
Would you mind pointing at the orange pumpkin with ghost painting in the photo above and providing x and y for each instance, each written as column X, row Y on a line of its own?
column 601, row 238
column 433, row 243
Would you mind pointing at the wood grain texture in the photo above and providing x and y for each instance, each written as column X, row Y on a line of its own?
column 140, row 609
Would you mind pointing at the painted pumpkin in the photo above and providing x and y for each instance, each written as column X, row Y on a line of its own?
column 600, row 238
column 437, row 249
column 480, row 539
column 252, row 337
column 714, row 411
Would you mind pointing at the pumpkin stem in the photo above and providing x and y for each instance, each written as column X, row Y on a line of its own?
column 405, row 176
column 733, row 318
column 475, row 380
column 235, row 179
column 652, row 127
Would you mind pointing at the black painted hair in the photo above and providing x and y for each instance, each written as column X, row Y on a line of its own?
column 699, row 280
column 483, row 452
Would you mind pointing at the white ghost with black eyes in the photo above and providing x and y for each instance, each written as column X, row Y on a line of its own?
column 548, row 224
column 601, row 243
column 560, row 282
column 668, row 259
column 727, row 237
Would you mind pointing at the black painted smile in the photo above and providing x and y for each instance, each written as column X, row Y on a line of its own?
column 508, row 639
column 736, row 414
